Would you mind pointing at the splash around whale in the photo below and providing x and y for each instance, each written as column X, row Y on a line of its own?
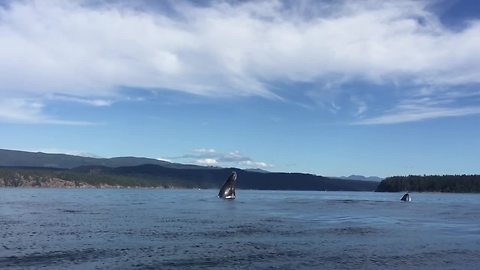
column 227, row 191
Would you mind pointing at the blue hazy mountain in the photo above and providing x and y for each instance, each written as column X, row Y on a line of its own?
column 14, row 158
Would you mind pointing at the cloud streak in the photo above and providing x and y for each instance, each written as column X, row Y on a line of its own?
column 415, row 114
column 85, row 53
column 423, row 106
column 30, row 112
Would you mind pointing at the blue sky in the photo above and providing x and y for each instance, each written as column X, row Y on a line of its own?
column 325, row 87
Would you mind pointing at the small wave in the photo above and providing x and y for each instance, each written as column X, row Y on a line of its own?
column 70, row 211
column 54, row 257
column 354, row 231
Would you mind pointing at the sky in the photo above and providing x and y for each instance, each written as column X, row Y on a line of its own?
column 332, row 88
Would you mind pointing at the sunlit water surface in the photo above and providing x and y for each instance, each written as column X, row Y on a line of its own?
column 192, row 229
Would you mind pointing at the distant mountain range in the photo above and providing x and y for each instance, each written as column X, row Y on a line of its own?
column 14, row 158
column 21, row 168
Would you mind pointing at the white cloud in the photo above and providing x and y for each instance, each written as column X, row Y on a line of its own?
column 233, row 156
column 211, row 157
column 29, row 112
column 207, row 161
column 418, row 114
column 360, row 104
column 87, row 52
column 423, row 108
column 427, row 103
column 204, row 151
column 96, row 102
column 260, row 165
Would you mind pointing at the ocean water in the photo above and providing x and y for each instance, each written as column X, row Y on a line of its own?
column 192, row 229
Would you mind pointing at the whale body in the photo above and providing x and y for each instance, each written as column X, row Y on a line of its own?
column 228, row 189
column 406, row 198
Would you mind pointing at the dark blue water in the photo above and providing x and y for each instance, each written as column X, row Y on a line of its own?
column 192, row 229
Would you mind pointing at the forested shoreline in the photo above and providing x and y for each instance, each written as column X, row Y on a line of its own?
column 431, row 183
column 149, row 175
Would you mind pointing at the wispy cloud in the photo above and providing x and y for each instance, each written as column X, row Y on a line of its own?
column 211, row 157
column 86, row 52
column 30, row 112
column 96, row 102
column 414, row 114
column 427, row 103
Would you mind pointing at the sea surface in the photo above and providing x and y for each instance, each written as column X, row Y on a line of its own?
column 193, row 229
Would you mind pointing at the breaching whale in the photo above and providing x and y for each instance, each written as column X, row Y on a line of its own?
column 228, row 189
column 406, row 198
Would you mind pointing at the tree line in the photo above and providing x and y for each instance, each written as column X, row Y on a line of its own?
column 431, row 183
column 150, row 175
